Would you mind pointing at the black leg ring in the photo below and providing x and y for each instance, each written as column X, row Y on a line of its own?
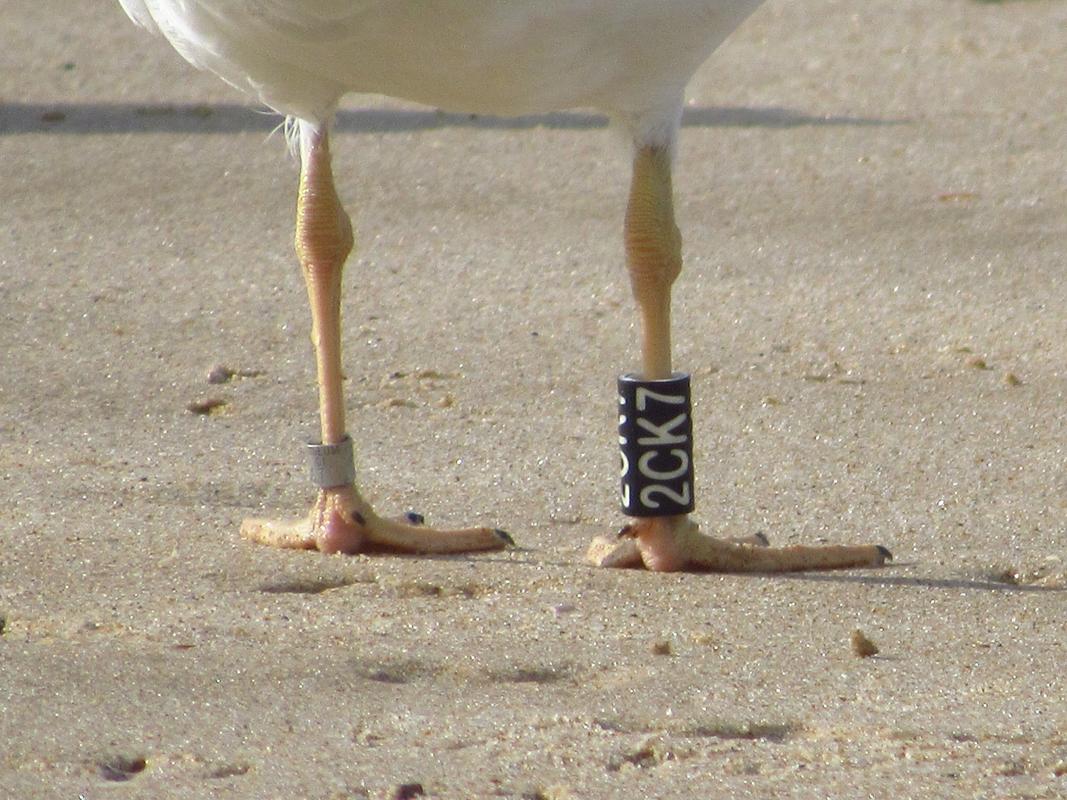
column 656, row 443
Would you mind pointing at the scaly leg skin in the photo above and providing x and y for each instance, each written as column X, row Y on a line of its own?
column 340, row 520
column 674, row 543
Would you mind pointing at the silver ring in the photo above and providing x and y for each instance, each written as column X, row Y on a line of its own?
column 331, row 465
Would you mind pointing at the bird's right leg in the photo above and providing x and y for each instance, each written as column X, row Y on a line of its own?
column 340, row 519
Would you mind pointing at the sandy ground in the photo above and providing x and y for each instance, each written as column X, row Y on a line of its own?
column 874, row 204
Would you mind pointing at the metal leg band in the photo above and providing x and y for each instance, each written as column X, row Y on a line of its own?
column 332, row 465
column 656, row 443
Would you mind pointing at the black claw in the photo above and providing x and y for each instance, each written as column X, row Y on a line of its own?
column 505, row 536
column 761, row 537
column 886, row 555
column 415, row 518
column 358, row 518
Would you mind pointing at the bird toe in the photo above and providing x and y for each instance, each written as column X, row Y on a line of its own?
column 505, row 537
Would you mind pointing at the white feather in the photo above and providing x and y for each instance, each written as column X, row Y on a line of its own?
column 137, row 10
column 630, row 58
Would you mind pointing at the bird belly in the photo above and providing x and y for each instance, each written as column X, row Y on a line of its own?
column 485, row 56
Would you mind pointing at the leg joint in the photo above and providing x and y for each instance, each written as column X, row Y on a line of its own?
column 653, row 243
column 323, row 229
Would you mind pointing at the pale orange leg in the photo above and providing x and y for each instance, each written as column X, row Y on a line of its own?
column 341, row 521
column 654, row 260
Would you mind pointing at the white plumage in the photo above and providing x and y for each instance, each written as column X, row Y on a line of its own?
column 630, row 58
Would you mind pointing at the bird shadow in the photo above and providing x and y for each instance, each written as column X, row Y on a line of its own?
column 527, row 557
column 112, row 118
column 919, row 582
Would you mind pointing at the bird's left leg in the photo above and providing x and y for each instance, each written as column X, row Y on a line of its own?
column 674, row 541
column 340, row 519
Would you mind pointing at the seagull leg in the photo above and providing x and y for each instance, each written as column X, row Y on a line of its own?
column 340, row 519
column 672, row 543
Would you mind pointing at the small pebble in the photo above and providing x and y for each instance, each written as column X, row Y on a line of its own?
column 661, row 648
column 408, row 791
column 977, row 362
column 862, row 646
column 120, row 769
column 1012, row 379
column 219, row 374
column 203, row 407
column 1006, row 575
